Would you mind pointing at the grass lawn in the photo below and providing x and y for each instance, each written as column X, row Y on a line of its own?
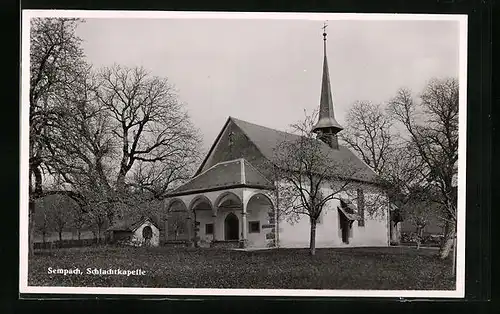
column 344, row 268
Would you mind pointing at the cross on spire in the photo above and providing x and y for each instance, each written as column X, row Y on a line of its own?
column 324, row 30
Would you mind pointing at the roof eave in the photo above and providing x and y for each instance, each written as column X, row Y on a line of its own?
column 220, row 188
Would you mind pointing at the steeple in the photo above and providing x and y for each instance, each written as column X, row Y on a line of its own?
column 327, row 127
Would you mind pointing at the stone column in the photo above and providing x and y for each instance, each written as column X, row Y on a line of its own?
column 189, row 222
column 244, row 227
column 214, row 229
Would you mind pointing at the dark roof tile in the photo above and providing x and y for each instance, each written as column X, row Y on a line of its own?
column 225, row 174
column 267, row 139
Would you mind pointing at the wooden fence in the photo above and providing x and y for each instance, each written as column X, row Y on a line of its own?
column 66, row 244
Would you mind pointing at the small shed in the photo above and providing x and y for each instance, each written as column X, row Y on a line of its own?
column 136, row 232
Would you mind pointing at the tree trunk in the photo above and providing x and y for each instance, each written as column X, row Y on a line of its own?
column 60, row 236
column 98, row 234
column 277, row 232
column 79, row 234
column 34, row 193
column 420, row 231
column 447, row 243
column 395, row 232
column 31, row 231
column 110, row 215
column 312, row 241
column 277, row 221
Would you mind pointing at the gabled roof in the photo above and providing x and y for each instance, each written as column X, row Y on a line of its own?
column 267, row 139
column 130, row 224
column 225, row 175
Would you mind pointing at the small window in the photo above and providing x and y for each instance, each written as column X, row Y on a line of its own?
column 254, row 226
column 209, row 229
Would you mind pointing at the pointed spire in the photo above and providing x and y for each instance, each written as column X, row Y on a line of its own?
column 327, row 125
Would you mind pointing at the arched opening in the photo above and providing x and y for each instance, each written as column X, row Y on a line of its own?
column 202, row 210
column 177, row 220
column 231, row 227
column 147, row 233
column 176, row 205
column 200, row 202
column 260, row 201
column 228, row 200
column 261, row 220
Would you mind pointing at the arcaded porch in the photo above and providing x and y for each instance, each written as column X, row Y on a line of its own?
column 230, row 204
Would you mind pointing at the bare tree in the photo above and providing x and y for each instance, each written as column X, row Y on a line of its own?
column 42, row 224
column 369, row 133
column 55, row 59
column 125, row 140
column 432, row 126
column 402, row 178
column 59, row 209
column 98, row 136
column 419, row 216
column 97, row 218
column 177, row 223
column 151, row 127
column 308, row 176
column 80, row 145
column 80, row 221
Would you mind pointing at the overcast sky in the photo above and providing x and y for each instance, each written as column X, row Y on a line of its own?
column 268, row 71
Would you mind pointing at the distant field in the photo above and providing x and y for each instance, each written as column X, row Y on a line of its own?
column 66, row 235
column 398, row 268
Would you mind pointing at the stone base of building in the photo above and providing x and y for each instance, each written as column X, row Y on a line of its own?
column 225, row 244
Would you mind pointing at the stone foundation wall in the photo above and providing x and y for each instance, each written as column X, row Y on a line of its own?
column 271, row 234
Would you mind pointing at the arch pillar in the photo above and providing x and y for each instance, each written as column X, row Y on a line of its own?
column 190, row 231
column 244, row 226
column 214, row 226
column 214, row 223
column 181, row 201
column 271, row 221
column 246, row 195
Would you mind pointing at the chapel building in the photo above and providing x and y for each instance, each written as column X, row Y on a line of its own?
column 229, row 200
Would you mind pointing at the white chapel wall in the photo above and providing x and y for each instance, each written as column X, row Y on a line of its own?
column 328, row 232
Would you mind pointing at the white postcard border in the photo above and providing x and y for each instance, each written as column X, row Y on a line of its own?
column 24, row 157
